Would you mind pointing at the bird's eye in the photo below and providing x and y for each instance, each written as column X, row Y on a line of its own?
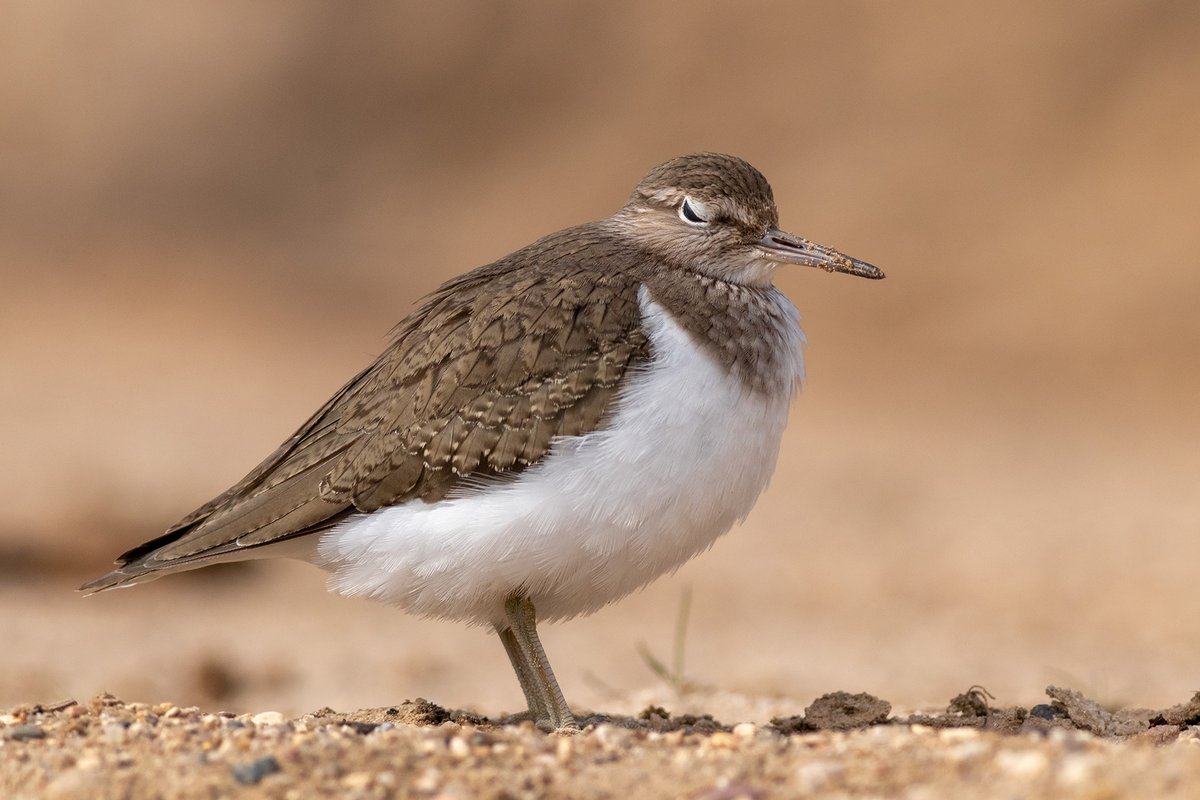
column 689, row 214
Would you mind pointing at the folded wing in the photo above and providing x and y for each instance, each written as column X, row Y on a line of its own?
column 476, row 385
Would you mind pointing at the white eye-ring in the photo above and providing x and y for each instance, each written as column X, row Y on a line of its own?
column 692, row 213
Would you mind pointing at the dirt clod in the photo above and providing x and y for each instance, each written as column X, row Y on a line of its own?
column 410, row 712
column 1182, row 714
column 837, row 711
column 841, row 711
column 1087, row 714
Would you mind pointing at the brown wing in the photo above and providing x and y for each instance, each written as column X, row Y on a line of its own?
column 476, row 383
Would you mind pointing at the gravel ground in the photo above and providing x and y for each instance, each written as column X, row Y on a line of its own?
column 842, row 746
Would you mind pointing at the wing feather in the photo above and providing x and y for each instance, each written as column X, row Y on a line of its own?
column 477, row 383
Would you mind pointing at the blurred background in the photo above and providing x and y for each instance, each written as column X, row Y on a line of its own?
column 212, row 213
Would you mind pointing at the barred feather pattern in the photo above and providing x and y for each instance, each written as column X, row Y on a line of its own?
column 476, row 385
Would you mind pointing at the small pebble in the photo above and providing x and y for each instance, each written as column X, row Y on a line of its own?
column 967, row 750
column 610, row 736
column 252, row 772
column 428, row 781
column 88, row 761
column 723, row 741
column 745, row 730
column 814, row 775
column 268, row 718
column 1047, row 711
column 114, row 732
column 23, row 733
column 1076, row 770
column 674, row 738
column 459, row 748
column 1026, row 764
column 357, row 780
column 73, row 784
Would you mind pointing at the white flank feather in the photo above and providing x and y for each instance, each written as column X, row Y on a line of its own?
column 686, row 453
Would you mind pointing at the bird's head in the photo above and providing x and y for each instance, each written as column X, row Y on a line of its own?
column 715, row 214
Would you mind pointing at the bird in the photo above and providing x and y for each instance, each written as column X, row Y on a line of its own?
column 547, row 433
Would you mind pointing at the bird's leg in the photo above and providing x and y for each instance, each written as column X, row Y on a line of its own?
column 538, row 707
column 522, row 621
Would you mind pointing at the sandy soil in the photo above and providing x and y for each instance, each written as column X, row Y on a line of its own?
column 840, row 746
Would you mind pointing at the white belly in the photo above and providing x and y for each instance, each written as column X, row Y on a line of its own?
column 686, row 454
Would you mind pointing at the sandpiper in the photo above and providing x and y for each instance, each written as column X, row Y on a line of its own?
column 547, row 433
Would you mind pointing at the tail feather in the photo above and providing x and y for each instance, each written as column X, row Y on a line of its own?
column 143, row 569
column 117, row 579
column 132, row 567
column 141, row 565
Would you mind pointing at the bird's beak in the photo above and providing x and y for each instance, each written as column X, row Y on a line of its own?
column 785, row 247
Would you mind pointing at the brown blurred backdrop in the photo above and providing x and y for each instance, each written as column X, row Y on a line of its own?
column 212, row 213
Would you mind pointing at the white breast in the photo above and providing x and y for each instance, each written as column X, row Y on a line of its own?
column 687, row 452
